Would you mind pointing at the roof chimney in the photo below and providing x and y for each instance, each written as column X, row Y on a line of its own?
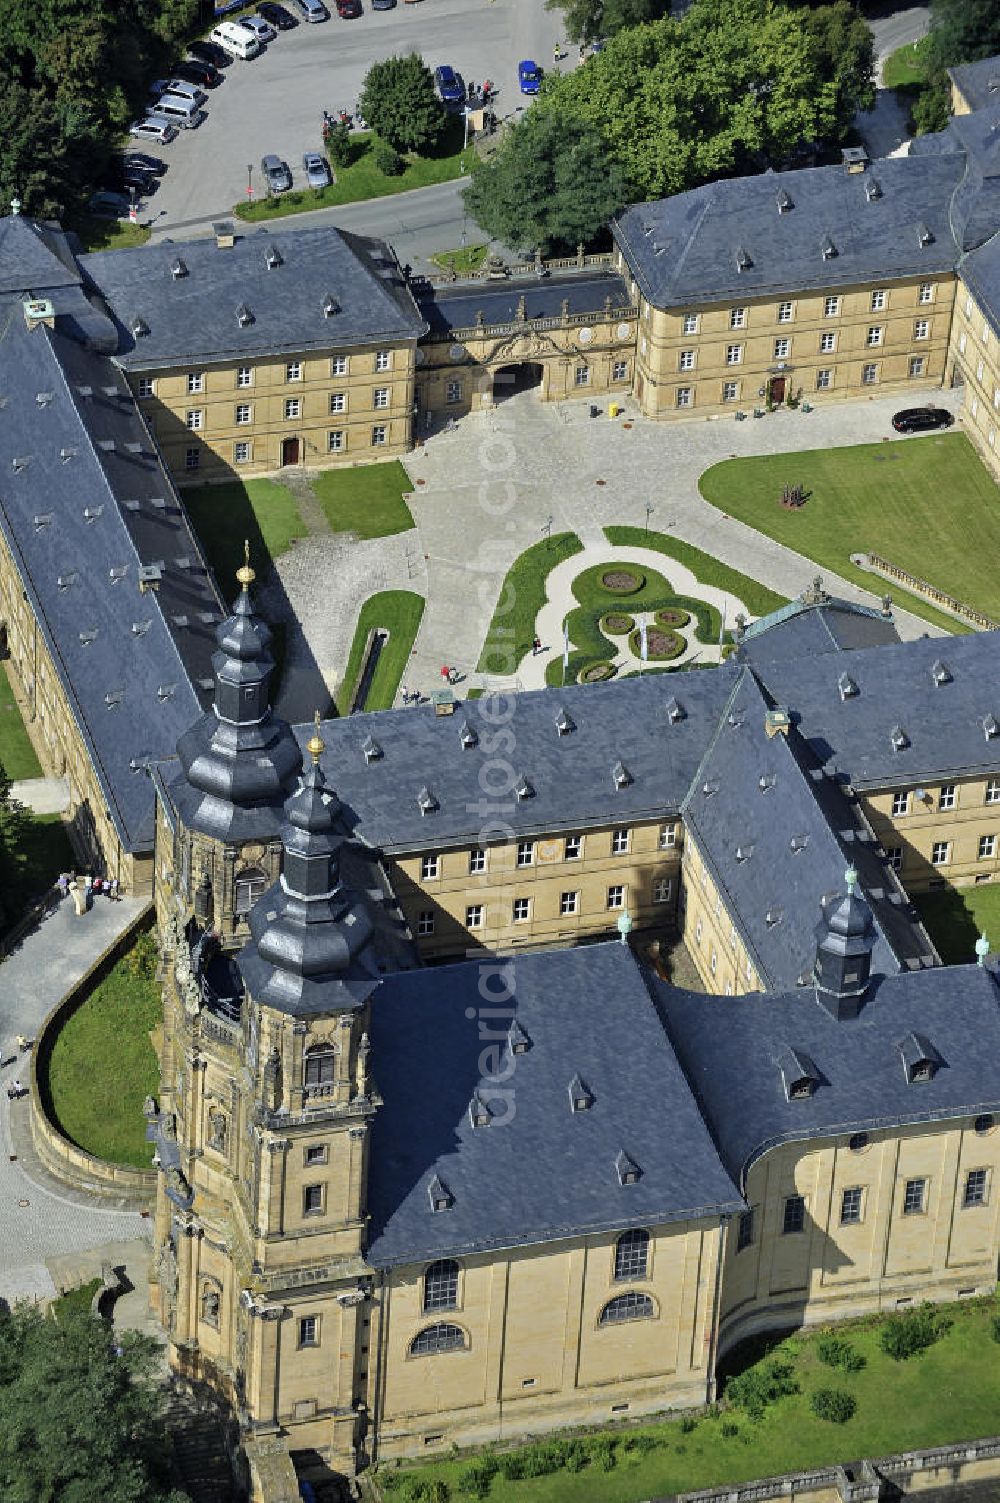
column 38, row 310
column 225, row 234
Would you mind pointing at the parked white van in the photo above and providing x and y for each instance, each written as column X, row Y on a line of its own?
column 183, row 113
column 236, row 40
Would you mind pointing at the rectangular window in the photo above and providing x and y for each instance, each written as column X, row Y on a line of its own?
column 293, row 370
column 921, row 329
column 987, row 846
column 894, row 856
column 850, row 1206
column 477, row 860
column 383, row 360
column 744, row 1234
column 684, row 396
column 737, row 318
column 521, row 911
column 569, row 903
column 690, row 323
column 948, row 797
column 430, row 866
column 782, row 349
column 192, row 459
column 831, row 307
column 195, row 419
column 316, row 1153
column 380, row 397
column 685, row 360
column 453, row 392
column 379, row 435
column 425, row 923
column 616, row 896
column 992, row 795
column 875, row 335
column 196, row 382
column 244, row 412
column 784, row 313
column 975, row 1188
column 734, row 354
column 146, row 386
column 242, row 453
column 573, row 848
column 869, row 375
column 939, row 852
column 293, row 407
column 335, row 440
column 925, row 292
column 244, row 375
column 662, row 890
column 900, row 804
column 668, row 837
column 913, row 1197
column 917, row 366
column 824, row 380
column 879, row 301
column 338, row 401
column 525, row 853
column 581, row 375
column 619, row 842
column 619, row 370
column 794, row 1218
column 730, row 391
column 309, row 1330
column 474, row 915
column 338, row 365
column 312, row 1200
column 827, row 342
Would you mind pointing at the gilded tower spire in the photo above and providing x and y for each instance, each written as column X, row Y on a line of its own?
column 245, row 575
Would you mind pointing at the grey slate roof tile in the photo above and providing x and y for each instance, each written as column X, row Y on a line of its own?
column 979, row 81
column 457, row 307
column 800, row 630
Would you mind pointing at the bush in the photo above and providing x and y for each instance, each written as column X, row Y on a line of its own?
column 912, row 1331
column 759, row 1386
column 835, row 1351
column 995, row 1327
column 729, row 1429
column 603, row 1452
column 142, row 959
column 833, row 1404
column 475, row 1479
column 387, row 160
column 339, row 146
column 688, row 1423
column 617, row 624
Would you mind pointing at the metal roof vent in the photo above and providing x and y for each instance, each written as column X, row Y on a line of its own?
column 467, row 736
column 784, row 201
column 117, row 572
column 244, row 317
column 517, row 1040
column 710, row 787
column 132, row 447
column 743, row 853
column 925, row 235
column 65, row 581
column 88, row 636
column 371, row 750
column 479, row 1113
column 43, row 398
column 140, row 628
column 113, row 698
column 42, row 519
column 330, row 305
column 873, row 190
column 744, row 260
column 565, row 723
column 900, row 740
column 847, row 686
column 799, row 1075
column 273, row 257
column 110, row 391
column 627, row 1169
column 91, row 513
column 426, row 802
column 798, row 844
column 65, row 455
column 86, row 392
column 166, row 691
column 207, row 684
column 20, row 462
column 829, row 249
column 675, row 711
column 523, row 788
column 139, row 327
column 773, row 917
column 178, row 268
column 990, row 727
column 439, row 1195
column 766, row 781
column 180, row 621
column 940, row 672
column 620, row 775
column 920, row 1058
column 106, row 445
column 158, row 503
column 581, row 1097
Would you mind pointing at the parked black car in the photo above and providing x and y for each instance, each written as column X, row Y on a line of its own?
column 154, row 166
column 197, row 71
column 210, row 52
column 121, row 176
column 921, row 419
column 280, row 18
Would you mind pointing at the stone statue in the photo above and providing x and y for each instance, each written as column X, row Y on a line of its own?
column 217, row 1126
column 210, row 1305
column 166, row 1267
column 364, row 1050
column 272, row 1079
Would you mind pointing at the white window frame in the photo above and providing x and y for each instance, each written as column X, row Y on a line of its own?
column 734, row 354
column 430, row 868
column 292, row 409
column 948, row 796
column 940, row 853
column 785, row 313
column 335, row 440
column 737, row 318
column 147, row 387
column 730, row 391
column 475, row 916
column 987, row 847
column 195, row 382
column 824, row 379
column 339, row 365
column 425, row 924
column 685, row 360
column 380, row 398
column 619, row 370
column 380, row 435
column 782, row 349
column 194, row 419
column 828, row 342
column 243, row 413
column 900, row 804
column 569, row 904
column 293, row 370
column 869, row 373
column 616, row 896
column 922, row 328
column 337, row 402
column 246, row 456
column 879, row 300
column 663, row 889
column 685, row 396
column 925, row 292
column 690, row 325
column 520, row 911
column 875, row 336
column 453, row 392
column 621, row 841
column 917, row 366
column 991, row 794
column 244, row 376
column 383, row 360
column 831, row 307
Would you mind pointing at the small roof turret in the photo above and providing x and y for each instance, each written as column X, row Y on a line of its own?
column 845, row 939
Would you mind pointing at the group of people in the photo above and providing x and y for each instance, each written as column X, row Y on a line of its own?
column 109, row 887
column 15, row 1088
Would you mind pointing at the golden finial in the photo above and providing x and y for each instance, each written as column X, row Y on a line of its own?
column 316, row 746
column 246, row 575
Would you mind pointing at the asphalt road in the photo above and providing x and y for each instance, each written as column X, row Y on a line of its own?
column 894, row 28
column 276, row 102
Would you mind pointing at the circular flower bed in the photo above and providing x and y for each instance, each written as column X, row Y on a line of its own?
column 617, row 624
column 596, row 673
column 622, row 581
column 674, row 615
column 661, row 644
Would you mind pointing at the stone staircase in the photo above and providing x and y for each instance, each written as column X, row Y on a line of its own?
column 203, row 1436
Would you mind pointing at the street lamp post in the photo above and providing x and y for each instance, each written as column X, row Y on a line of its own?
column 650, row 508
column 547, row 528
column 250, row 182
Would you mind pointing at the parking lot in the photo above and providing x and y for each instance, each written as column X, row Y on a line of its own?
column 275, row 103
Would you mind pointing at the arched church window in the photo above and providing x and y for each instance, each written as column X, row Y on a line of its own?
column 631, row 1306
column 440, row 1337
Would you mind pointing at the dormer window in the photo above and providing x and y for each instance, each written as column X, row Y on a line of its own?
column 620, row 775
column 924, row 235
column 581, row 1098
column 178, row 268
column 784, row 201
column 330, row 306
column 244, row 317
column 627, row 1169
column 829, row 249
column 847, row 687
column 479, row 1113
column 799, row 1075
column 990, row 727
column 675, row 711
column 940, row 672
column 766, row 782
column 467, row 736
column 139, row 328
column 873, row 190
column 439, row 1195
column 564, row 723
column 370, row 749
column 272, row 257
column 523, row 788
column 426, row 802
column 517, row 1040
column 899, row 739
column 920, row 1058
column 710, row 787
column 744, row 261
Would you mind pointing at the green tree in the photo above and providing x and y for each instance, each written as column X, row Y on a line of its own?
column 80, row 1421
column 33, row 151
column 845, row 52
column 549, row 186
column 15, row 831
column 586, row 20
column 399, row 103
column 963, row 31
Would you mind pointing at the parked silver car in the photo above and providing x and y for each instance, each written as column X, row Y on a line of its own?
column 153, row 129
column 317, row 169
column 277, row 174
column 262, row 30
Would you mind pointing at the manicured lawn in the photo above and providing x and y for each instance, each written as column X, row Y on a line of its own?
column 262, row 511
column 367, row 500
column 399, row 611
column 757, row 598
column 75, row 1299
column 949, row 1392
column 17, row 755
column 108, row 234
column 362, row 179
column 906, row 66
column 956, row 917
column 467, row 258
column 522, row 596
column 103, row 1066
column 49, row 853
column 918, row 503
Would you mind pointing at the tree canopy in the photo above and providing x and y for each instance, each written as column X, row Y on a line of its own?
column 586, row 20
column 399, row 102
column 963, row 31
column 80, row 1420
column 15, row 831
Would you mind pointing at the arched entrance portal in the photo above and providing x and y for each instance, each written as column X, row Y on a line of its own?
column 508, row 380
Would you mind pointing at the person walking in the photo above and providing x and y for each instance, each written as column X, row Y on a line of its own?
column 536, row 646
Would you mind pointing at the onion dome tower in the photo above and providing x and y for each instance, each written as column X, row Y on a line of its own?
column 845, row 939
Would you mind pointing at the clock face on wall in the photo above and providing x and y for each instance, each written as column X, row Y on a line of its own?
column 457, row 352
column 585, row 335
column 549, row 850
column 624, row 331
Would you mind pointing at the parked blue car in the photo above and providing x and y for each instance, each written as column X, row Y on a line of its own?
column 529, row 76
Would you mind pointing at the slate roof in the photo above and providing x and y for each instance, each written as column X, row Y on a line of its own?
column 539, row 1170
column 193, row 317
column 34, row 257
column 457, row 306
column 84, row 504
column 978, row 82
column 806, row 628
column 729, row 1047
column 683, row 250
column 570, row 775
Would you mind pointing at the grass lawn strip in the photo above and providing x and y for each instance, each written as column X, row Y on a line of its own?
column 17, row 755
column 522, row 595
column 367, row 500
column 945, row 1394
column 399, row 611
column 223, row 515
column 917, row 503
column 80, row 1299
column 956, row 917
column 906, row 68
column 758, row 599
column 103, row 1066
column 98, row 234
column 468, row 258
